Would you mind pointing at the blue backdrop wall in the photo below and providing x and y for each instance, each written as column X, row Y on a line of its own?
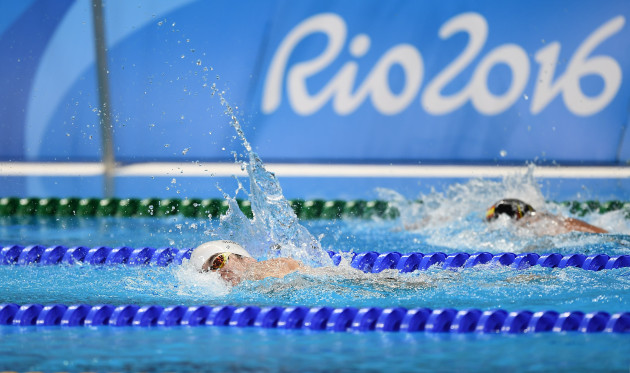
column 320, row 81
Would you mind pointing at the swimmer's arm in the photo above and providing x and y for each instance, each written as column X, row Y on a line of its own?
column 555, row 224
column 277, row 267
column 582, row 226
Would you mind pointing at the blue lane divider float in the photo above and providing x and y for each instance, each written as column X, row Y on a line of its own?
column 444, row 320
column 370, row 261
column 101, row 255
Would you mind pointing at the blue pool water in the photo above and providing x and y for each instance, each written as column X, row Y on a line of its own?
column 229, row 349
column 485, row 286
column 257, row 350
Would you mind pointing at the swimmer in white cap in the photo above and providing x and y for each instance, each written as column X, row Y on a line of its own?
column 234, row 264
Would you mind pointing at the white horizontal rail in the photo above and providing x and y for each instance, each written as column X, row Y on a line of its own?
column 197, row 169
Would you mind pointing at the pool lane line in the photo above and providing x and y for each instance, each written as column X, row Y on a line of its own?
column 347, row 319
column 369, row 262
column 215, row 207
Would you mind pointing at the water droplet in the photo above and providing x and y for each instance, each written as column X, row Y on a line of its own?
column 183, row 56
column 173, row 181
column 185, row 151
column 198, row 62
column 160, row 23
column 503, row 153
column 525, row 96
column 182, row 117
column 167, row 145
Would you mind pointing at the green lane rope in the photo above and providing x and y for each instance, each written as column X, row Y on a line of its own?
column 195, row 207
column 202, row 208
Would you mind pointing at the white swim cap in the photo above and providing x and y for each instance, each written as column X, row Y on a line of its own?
column 204, row 251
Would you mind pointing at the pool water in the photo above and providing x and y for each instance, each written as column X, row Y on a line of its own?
column 216, row 349
column 229, row 349
column 483, row 286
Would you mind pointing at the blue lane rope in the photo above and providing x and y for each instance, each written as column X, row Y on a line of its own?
column 348, row 319
column 370, row 261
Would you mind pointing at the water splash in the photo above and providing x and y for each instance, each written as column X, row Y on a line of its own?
column 455, row 218
column 275, row 230
column 474, row 197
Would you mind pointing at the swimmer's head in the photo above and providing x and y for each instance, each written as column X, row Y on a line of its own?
column 514, row 208
column 227, row 258
column 201, row 256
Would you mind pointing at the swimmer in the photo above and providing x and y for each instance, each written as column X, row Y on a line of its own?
column 542, row 223
column 234, row 264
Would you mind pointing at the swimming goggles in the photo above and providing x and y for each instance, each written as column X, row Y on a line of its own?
column 218, row 261
column 514, row 208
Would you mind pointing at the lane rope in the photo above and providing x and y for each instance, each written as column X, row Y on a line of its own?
column 369, row 262
column 348, row 319
column 202, row 208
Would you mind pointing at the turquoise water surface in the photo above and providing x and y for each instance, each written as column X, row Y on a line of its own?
column 229, row 349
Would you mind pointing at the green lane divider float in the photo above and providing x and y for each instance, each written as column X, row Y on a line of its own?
column 202, row 208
